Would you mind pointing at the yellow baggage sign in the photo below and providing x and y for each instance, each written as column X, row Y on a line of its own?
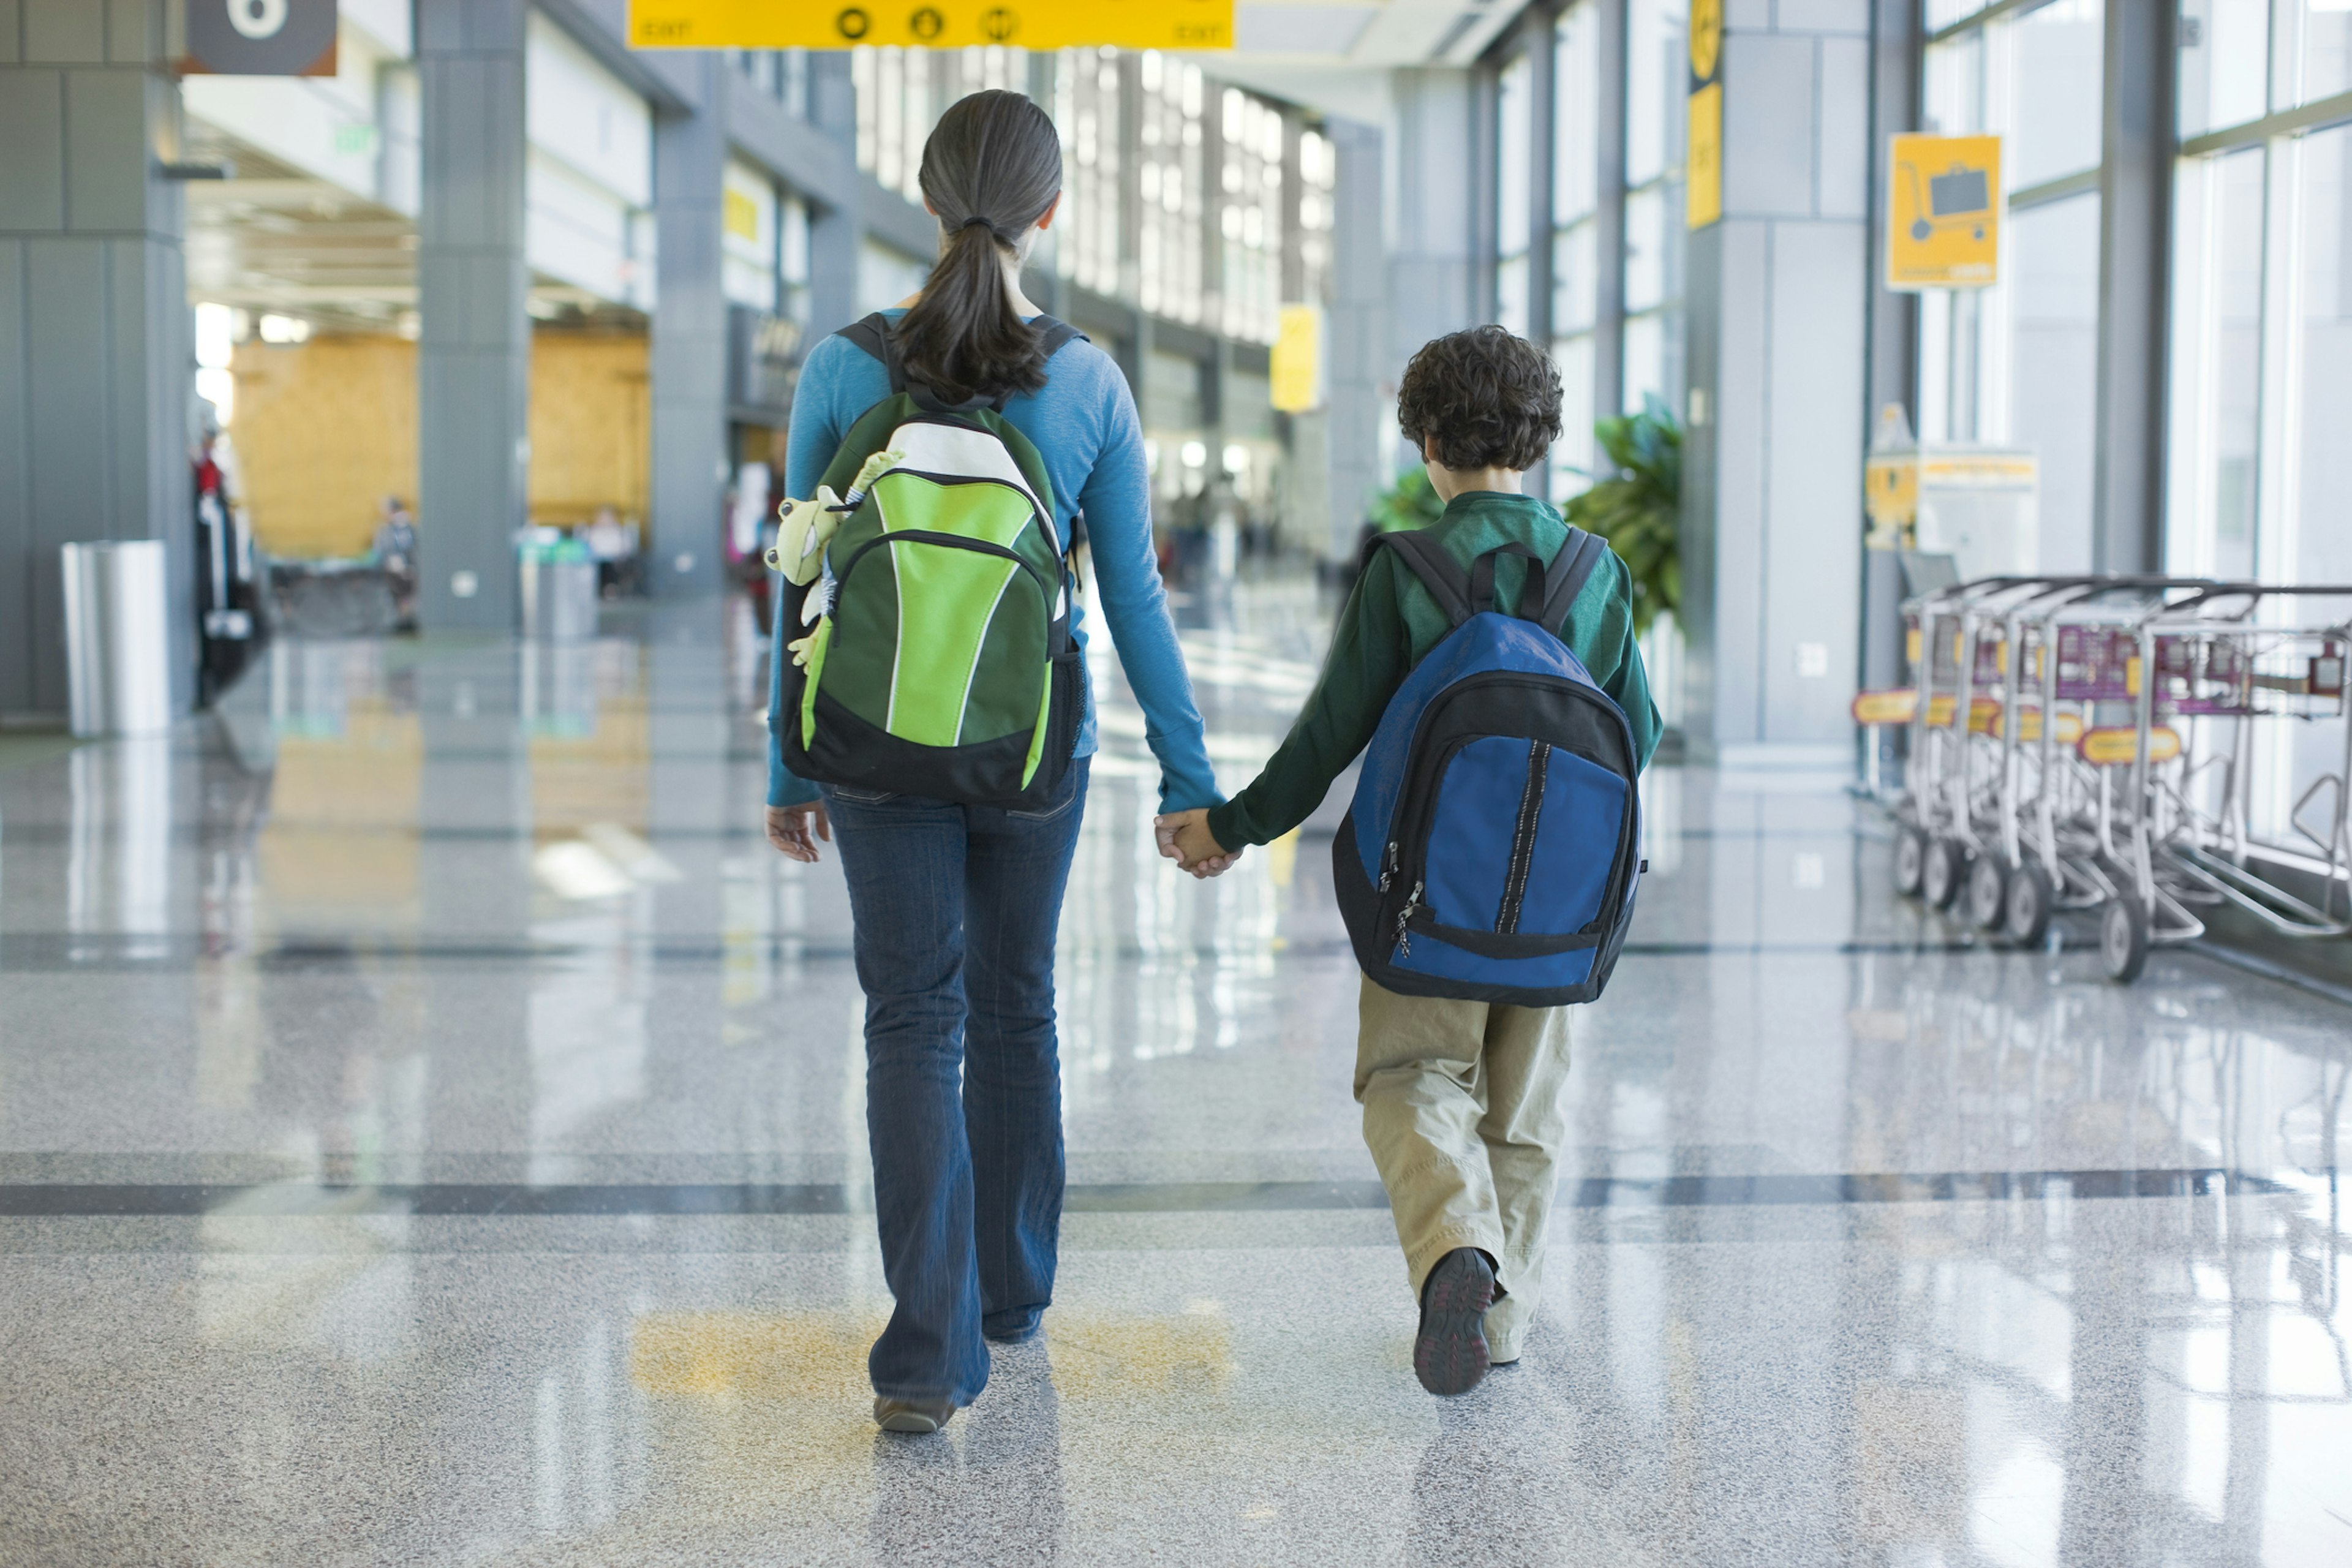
column 930, row 23
column 1944, row 204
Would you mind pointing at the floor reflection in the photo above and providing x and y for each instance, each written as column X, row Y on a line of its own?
column 432, row 1126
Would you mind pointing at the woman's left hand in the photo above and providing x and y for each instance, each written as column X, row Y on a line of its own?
column 788, row 830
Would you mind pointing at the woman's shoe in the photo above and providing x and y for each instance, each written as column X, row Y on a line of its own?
column 1449, row 1355
column 914, row 1418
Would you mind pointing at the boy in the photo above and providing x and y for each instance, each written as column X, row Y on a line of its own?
column 1460, row 1098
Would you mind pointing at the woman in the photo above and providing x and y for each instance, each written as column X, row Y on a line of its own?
column 955, row 905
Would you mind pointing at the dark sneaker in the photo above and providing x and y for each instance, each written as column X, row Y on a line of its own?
column 1449, row 1355
column 913, row 1416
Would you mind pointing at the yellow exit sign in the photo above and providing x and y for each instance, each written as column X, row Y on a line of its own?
column 930, row 23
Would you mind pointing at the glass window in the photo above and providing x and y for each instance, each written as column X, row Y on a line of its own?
column 2032, row 78
column 1575, row 300
column 1171, row 182
column 1514, row 192
column 2059, row 52
column 1249, row 220
column 1657, row 67
column 1086, row 98
column 1658, row 72
column 1645, row 249
column 1944, row 13
column 2053, row 261
column 1645, row 359
column 2324, row 60
column 2225, row 47
column 1571, row 455
column 2322, row 551
column 1576, row 114
column 2217, row 364
column 1318, row 179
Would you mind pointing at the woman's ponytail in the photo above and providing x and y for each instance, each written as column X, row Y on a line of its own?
column 991, row 170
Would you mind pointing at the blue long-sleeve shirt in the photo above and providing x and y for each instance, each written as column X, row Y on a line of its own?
column 1082, row 422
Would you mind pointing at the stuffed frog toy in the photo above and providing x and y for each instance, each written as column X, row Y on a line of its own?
column 804, row 527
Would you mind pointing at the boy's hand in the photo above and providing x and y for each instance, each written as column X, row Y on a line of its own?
column 1184, row 837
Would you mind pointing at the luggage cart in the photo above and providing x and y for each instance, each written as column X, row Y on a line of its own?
column 2208, row 678
column 2072, row 649
column 1956, row 643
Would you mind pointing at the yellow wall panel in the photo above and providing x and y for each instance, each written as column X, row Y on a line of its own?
column 590, row 426
column 325, row 430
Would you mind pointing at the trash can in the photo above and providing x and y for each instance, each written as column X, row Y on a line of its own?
column 117, row 639
column 559, row 592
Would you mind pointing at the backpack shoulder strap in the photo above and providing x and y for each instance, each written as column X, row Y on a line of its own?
column 1438, row 572
column 1055, row 333
column 873, row 335
column 1570, row 570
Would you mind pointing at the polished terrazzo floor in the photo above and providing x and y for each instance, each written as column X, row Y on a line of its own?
column 431, row 1129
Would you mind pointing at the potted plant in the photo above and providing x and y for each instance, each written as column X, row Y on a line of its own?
column 1637, row 505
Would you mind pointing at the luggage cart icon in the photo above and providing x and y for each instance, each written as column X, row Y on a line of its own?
column 1958, row 196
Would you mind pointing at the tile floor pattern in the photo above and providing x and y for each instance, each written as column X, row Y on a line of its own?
column 431, row 1130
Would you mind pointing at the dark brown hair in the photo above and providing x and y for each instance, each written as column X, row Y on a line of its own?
column 1480, row 399
column 990, row 169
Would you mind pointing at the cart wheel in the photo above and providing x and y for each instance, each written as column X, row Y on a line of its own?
column 1910, row 861
column 1987, row 891
column 2026, row 910
column 1947, row 870
column 2122, row 939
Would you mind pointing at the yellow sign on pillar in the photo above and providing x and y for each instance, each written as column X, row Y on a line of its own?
column 1703, row 165
column 1296, row 367
column 930, row 23
column 1702, row 182
column 1944, row 201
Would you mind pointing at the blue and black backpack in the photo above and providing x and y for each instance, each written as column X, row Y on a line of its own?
column 1494, row 847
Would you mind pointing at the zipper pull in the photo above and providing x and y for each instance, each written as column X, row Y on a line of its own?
column 1404, row 921
column 1388, row 867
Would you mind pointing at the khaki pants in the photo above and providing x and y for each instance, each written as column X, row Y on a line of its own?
column 1462, row 1114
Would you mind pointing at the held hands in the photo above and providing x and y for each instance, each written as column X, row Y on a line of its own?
column 1184, row 837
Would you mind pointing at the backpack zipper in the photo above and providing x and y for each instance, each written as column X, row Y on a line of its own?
column 1523, row 837
column 1413, row 805
column 1404, row 921
column 1389, row 867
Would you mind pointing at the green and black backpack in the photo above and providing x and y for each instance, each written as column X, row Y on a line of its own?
column 940, row 662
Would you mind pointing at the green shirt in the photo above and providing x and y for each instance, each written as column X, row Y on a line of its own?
column 1389, row 626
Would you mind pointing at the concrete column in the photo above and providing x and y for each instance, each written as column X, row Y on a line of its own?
column 2135, row 252
column 1535, row 38
column 1360, row 378
column 473, row 360
column 834, row 230
column 95, row 358
column 1894, row 320
column 690, row 458
column 1776, row 294
column 1609, row 219
column 1430, row 239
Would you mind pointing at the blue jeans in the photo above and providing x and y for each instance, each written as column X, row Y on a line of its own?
column 956, row 908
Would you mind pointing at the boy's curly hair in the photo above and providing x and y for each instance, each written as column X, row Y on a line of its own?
column 1480, row 399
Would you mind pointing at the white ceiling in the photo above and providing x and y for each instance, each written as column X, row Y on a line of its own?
column 1336, row 55
column 1373, row 34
